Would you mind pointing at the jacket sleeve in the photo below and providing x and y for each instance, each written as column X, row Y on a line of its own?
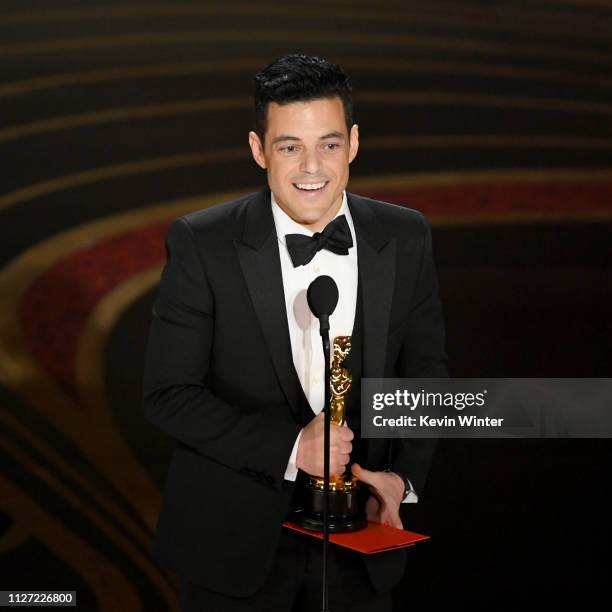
column 179, row 351
column 422, row 355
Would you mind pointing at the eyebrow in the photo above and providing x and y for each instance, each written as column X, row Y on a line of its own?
column 287, row 137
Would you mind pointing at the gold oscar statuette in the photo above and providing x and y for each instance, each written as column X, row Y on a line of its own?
column 345, row 507
column 340, row 382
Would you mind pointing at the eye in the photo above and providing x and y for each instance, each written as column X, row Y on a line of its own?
column 330, row 146
column 289, row 149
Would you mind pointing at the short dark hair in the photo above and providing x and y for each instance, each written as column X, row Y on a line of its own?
column 300, row 78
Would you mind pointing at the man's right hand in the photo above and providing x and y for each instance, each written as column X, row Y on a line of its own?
column 310, row 449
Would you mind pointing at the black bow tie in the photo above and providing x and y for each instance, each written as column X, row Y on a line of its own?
column 336, row 237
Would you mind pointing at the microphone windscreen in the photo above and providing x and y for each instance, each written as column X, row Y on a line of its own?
column 322, row 296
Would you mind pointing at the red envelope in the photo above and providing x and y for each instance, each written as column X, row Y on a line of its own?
column 374, row 538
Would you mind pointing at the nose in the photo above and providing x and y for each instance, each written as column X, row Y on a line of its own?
column 309, row 164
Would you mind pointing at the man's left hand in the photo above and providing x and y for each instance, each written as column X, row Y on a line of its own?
column 387, row 490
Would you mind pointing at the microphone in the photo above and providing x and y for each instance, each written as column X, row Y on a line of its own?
column 322, row 296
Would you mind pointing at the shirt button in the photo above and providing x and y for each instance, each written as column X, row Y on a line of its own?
column 317, row 268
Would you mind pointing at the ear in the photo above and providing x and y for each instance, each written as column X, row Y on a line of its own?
column 353, row 142
column 257, row 150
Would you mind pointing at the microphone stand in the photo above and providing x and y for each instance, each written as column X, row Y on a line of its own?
column 324, row 330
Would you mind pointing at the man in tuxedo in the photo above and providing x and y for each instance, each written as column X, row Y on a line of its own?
column 234, row 369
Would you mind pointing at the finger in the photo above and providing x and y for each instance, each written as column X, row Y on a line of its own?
column 338, row 465
column 343, row 458
column 339, row 441
column 364, row 475
column 395, row 521
column 342, row 433
column 391, row 517
column 372, row 504
column 337, row 469
column 343, row 447
column 372, row 515
column 346, row 433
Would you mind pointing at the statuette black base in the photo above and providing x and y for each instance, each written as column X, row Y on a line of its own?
column 345, row 510
column 336, row 524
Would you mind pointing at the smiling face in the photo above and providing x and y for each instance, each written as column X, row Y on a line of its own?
column 306, row 154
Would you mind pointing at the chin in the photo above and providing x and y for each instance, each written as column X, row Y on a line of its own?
column 309, row 219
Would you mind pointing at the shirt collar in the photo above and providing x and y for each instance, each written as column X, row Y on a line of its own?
column 286, row 225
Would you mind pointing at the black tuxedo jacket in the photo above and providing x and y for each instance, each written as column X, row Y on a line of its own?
column 219, row 378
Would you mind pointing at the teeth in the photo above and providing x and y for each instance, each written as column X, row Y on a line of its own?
column 310, row 186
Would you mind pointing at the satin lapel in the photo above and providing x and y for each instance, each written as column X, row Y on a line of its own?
column 260, row 261
column 376, row 261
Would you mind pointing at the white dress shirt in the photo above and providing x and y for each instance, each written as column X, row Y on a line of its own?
column 306, row 345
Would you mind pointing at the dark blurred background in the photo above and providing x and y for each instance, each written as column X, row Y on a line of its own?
column 493, row 118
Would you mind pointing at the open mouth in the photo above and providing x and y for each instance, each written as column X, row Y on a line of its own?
column 311, row 187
